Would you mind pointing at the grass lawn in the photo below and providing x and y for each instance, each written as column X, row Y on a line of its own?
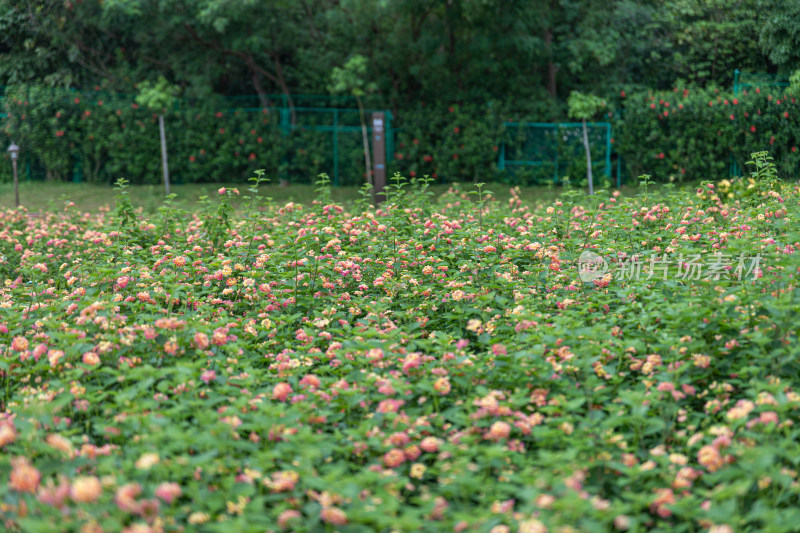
column 41, row 196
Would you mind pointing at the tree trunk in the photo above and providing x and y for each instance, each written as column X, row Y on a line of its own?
column 588, row 158
column 259, row 87
column 365, row 136
column 551, row 66
column 164, row 166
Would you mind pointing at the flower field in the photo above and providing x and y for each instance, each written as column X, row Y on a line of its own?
column 421, row 366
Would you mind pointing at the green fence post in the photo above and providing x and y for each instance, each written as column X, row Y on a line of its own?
column 619, row 176
column 335, row 147
column 736, row 82
column 501, row 163
column 77, row 171
column 27, row 169
column 555, row 164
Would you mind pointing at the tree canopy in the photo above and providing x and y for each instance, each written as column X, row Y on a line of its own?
column 529, row 53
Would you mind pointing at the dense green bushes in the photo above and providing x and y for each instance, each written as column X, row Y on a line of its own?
column 681, row 134
column 102, row 136
column 699, row 133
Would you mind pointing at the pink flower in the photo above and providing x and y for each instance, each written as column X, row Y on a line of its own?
column 412, row 452
column 221, row 190
column 430, row 444
column 208, row 375
column 85, row 489
column 24, row 477
column 709, row 457
column 201, row 340
column 281, row 391
column 499, row 430
column 125, row 497
column 333, row 515
column 394, row 458
column 8, row 433
column 663, row 498
column 442, row 386
column 168, row 491
column 286, row 516
column 283, row 481
column 19, row 344
column 52, row 495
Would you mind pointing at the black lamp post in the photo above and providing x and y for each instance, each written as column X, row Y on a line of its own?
column 14, row 151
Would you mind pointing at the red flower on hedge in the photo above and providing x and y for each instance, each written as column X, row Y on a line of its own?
column 191, row 158
column 753, row 129
column 427, row 158
column 456, row 130
column 785, row 114
column 252, row 156
column 60, row 133
column 622, row 94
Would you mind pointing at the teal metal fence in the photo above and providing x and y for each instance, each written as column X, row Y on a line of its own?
column 536, row 152
column 99, row 136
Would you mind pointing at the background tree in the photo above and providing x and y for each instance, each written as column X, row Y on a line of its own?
column 158, row 97
column 584, row 107
column 351, row 79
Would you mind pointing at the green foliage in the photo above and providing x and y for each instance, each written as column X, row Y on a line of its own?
column 158, row 96
column 418, row 367
column 584, row 106
column 351, row 78
column 693, row 133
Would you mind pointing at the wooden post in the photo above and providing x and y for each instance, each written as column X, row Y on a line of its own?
column 379, row 155
column 16, row 182
column 164, row 166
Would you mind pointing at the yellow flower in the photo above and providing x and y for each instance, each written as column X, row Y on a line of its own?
column 147, row 461
column 418, row 470
column 199, row 518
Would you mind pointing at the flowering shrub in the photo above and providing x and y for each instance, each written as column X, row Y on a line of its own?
column 698, row 133
column 456, row 145
column 414, row 367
